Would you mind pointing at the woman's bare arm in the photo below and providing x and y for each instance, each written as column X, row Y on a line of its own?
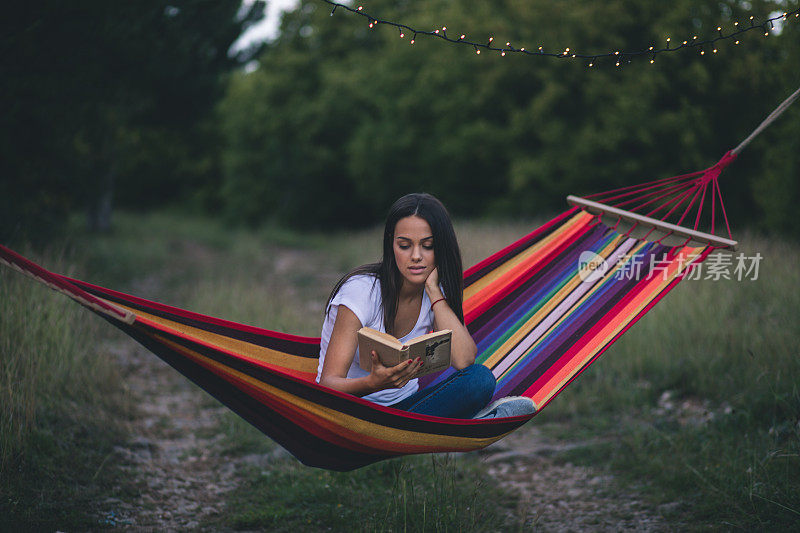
column 340, row 354
column 463, row 350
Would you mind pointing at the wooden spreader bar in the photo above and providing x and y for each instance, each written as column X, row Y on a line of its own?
column 597, row 208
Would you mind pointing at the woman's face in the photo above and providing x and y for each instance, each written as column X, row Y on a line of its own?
column 413, row 249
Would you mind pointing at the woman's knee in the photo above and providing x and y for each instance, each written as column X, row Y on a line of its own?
column 483, row 381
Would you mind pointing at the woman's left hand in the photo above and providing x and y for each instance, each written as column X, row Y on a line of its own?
column 432, row 283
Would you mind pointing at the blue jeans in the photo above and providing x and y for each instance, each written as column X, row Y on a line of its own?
column 461, row 395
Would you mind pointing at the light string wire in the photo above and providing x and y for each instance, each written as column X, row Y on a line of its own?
column 617, row 55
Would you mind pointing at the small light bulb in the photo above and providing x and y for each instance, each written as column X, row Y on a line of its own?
column 444, row 28
column 735, row 23
column 719, row 28
column 567, row 49
column 617, row 63
column 573, row 55
column 616, row 53
column 715, row 50
column 462, row 35
column 491, row 39
column 668, row 39
column 651, row 48
column 684, row 42
column 370, row 24
column 360, row 8
column 478, row 52
column 737, row 42
column 766, row 34
column 522, row 49
column 591, row 64
column 436, row 32
column 652, row 61
column 503, row 53
column 508, row 44
column 702, row 52
column 402, row 35
column 412, row 41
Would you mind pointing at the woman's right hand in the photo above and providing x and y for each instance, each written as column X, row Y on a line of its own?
column 393, row 377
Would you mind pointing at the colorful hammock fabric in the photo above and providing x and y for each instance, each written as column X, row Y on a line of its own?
column 541, row 311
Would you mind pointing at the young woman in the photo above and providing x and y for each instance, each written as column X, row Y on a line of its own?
column 416, row 288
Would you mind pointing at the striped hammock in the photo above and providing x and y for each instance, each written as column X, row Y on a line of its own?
column 540, row 310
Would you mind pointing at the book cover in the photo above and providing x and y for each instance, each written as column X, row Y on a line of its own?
column 433, row 348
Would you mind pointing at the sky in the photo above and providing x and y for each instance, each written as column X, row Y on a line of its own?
column 267, row 29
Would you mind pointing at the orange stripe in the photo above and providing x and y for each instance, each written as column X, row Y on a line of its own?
column 302, row 367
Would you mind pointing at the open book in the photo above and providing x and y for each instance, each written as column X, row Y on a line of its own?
column 433, row 349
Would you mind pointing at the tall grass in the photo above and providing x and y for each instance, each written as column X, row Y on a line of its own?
column 57, row 395
column 413, row 494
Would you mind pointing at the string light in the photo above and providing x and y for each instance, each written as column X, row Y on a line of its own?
column 652, row 51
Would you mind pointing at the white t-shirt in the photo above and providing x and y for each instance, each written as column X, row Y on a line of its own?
column 362, row 295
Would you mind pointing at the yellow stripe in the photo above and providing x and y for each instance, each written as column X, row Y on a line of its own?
column 267, row 355
column 396, row 440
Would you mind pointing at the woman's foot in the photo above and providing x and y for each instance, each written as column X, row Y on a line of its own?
column 508, row 406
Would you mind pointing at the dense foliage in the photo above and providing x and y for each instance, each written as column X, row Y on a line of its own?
column 334, row 120
column 109, row 100
column 340, row 119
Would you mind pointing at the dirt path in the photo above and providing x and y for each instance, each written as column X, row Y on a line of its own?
column 179, row 473
column 176, row 473
column 564, row 497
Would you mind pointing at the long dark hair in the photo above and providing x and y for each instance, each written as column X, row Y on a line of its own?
column 445, row 249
